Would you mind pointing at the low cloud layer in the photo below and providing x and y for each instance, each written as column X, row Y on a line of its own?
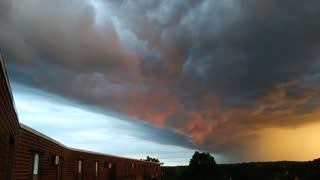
column 216, row 71
column 82, row 127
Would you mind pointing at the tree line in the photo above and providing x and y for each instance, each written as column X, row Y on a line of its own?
column 203, row 166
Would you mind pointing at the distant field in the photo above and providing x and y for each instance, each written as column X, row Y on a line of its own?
column 258, row 170
column 172, row 173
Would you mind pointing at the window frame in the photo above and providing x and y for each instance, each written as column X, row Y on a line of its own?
column 80, row 163
column 96, row 168
column 127, row 169
column 33, row 165
column 60, row 168
column 79, row 171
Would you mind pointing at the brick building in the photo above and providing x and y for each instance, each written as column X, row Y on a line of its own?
column 26, row 154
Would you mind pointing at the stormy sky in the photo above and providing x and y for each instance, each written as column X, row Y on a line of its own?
column 237, row 78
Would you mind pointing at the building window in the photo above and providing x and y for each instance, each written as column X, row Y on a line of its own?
column 79, row 169
column 79, row 166
column 110, row 165
column 126, row 170
column 59, row 169
column 96, row 169
column 35, row 170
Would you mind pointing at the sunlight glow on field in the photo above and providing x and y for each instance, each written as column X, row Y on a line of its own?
column 299, row 144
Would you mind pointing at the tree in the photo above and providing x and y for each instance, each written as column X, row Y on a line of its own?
column 202, row 166
column 202, row 160
column 150, row 159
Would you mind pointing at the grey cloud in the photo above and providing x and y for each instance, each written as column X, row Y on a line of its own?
column 259, row 50
column 65, row 33
column 5, row 8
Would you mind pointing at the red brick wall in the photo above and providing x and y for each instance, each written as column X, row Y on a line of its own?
column 9, row 127
column 18, row 144
column 123, row 166
column 31, row 142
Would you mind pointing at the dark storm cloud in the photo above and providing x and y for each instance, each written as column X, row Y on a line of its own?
column 265, row 47
column 63, row 33
column 5, row 7
column 204, row 68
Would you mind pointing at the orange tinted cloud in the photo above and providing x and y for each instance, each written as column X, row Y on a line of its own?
column 154, row 105
column 237, row 130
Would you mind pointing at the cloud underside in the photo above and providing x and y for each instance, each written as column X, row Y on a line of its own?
column 217, row 71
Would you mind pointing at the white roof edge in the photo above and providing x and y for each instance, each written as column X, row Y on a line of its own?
column 104, row 154
column 27, row 128
column 74, row 149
